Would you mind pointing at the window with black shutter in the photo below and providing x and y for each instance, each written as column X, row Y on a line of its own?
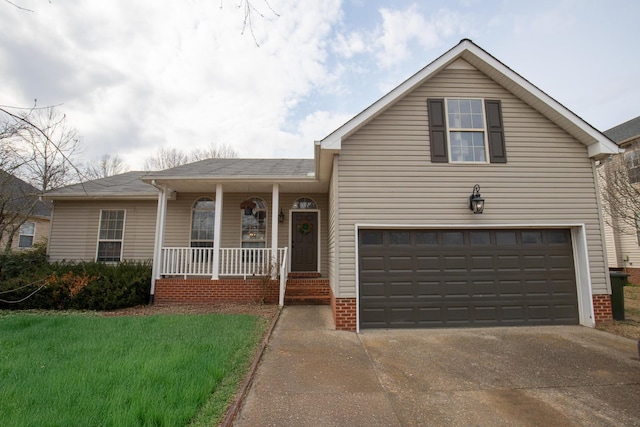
column 466, row 130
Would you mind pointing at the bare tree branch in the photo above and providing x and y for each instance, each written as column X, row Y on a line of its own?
column 248, row 9
column 619, row 178
column 18, row 7
column 105, row 166
column 214, row 151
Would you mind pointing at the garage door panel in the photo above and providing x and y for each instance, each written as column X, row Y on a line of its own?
column 401, row 264
column 455, row 263
column 436, row 278
column 374, row 264
column 482, row 263
column 507, row 263
column 427, row 264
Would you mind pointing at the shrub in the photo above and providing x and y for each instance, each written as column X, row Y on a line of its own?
column 85, row 286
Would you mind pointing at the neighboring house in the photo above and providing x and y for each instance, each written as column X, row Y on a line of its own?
column 380, row 219
column 623, row 241
column 24, row 218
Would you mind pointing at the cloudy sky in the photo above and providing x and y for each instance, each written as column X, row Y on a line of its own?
column 132, row 76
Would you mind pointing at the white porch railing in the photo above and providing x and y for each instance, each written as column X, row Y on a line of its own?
column 181, row 261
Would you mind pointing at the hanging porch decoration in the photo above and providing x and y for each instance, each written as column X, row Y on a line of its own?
column 248, row 206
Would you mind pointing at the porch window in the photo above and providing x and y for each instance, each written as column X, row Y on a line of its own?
column 110, row 236
column 203, row 216
column 305, row 203
column 27, row 234
column 254, row 225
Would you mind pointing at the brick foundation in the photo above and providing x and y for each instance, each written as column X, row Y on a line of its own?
column 602, row 309
column 634, row 275
column 307, row 291
column 207, row 291
column 344, row 313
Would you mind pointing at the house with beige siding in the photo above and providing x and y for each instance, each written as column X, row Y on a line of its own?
column 619, row 180
column 24, row 218
column 466, row 196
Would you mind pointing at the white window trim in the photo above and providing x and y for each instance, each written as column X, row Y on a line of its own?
column 483, row 130
column 266, row 229
column 213, row 199
column 124, row 222
column 33, row 236
column 302, row 209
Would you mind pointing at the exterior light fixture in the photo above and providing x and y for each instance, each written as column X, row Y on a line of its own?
column 476, row 202
column 281, row 216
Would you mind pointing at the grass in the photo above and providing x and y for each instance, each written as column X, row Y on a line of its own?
column 87, row 370
column 630, row 326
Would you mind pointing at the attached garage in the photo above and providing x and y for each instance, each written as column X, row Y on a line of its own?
column 410, row 278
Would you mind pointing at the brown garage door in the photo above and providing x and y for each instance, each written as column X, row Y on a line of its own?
column 446, row 278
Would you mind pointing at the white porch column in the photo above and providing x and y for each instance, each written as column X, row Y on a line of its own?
column 161, row 215
column 275, row 202
column 217, row 230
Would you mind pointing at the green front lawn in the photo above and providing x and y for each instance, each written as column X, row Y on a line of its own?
column 61, row 369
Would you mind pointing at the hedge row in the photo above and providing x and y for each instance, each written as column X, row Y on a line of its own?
column 28, row 281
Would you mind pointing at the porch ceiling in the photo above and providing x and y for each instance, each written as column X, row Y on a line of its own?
column 244, row 186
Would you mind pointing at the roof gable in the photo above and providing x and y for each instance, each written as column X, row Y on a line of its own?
column 598, row 144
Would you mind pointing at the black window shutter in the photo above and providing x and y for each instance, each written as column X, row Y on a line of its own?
column 495, row 131
column 437, row 131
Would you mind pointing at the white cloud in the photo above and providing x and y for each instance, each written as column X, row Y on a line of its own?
column 134, row 76
column 401, row 28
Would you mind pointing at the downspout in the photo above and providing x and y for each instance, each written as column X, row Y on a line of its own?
column 159, row 240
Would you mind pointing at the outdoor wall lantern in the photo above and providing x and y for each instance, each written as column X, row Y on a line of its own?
column 281, row 216
column 476, row 202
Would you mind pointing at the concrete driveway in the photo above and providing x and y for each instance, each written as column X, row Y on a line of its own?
column 312, row 375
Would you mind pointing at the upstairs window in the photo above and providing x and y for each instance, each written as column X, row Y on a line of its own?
column 465, row 119
column 466, row 130
column 203, row 217
column 110, row 236
column 27, row 235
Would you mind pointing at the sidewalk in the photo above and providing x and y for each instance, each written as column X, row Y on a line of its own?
column 312, row 375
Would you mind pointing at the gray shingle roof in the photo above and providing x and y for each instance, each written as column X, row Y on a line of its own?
column 229, row 168
column 624, row 131
column 21, row 196
column 126, row 184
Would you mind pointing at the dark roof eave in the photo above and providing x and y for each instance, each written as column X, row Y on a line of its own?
column 287, row 178
column 85, row 196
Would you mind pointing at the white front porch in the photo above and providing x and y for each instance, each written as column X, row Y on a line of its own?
column 232, row 262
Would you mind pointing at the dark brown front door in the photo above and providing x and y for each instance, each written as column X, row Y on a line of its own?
column 304, row 241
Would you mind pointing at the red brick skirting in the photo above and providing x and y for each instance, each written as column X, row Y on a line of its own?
column 344, row 313
column 207, row 291
column 634, row 275
column 602, row 309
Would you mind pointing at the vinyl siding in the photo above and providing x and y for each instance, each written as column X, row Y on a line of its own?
column 43, row 227
column 332, row 231
column 178, row 222
column 74, row 229
column 386, row 176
